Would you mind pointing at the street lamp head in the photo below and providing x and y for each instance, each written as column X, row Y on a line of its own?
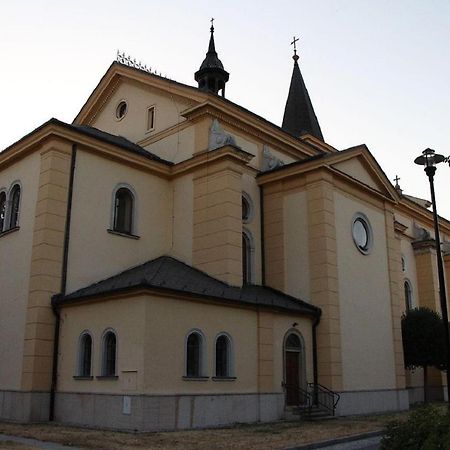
column 429, row 158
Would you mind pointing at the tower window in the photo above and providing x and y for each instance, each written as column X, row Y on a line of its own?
column 14, row 207
column 121, row 110
column 123, row 211
column 151, row 118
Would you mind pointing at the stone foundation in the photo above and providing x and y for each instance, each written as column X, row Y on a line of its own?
column 156, row 413
column 21, row 406
column 376, row 401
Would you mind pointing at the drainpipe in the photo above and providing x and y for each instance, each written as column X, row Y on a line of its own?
column 263, row 256
column 314, row 342
column 55, row 306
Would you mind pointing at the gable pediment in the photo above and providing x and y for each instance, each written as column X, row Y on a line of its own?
column 359, row 165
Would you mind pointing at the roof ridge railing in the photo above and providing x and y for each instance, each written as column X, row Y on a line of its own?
column 127, row 60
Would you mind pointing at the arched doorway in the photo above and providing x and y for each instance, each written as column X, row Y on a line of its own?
column 294, row 369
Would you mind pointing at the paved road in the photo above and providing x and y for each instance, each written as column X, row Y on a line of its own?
column 363, row 444
column 35, row 443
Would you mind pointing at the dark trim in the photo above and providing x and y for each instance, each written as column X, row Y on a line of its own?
column 314, row 342
column 186, row 378
column 121, row 233
column 107, row 377
column 9, row 231
column 55, row 305
column 263, row 246
column 80, row 377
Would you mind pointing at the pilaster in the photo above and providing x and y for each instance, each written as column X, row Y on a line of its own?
column 324, row 277
column 46, row 265
column 265, row 352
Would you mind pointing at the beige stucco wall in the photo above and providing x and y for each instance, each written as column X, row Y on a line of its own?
column 134, row 125
column 176, row 147
column 297, row 272
column 151, row 333
column 365, row 304
column 355, row 169
column 95, row 254
column 182, row 218
column 15, row 263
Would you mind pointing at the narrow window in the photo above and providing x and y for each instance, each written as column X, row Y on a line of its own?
column 193, row 355
column 223, row 351
column 14, row 205
column 408, row 295
column 247, row 259
column 123, row 211
column 85, row 357
column 109, row 355
column 2, row 210
column 150, row 118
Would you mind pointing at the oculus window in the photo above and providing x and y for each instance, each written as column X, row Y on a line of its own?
column 362, row 233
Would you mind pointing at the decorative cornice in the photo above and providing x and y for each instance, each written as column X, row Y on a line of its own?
column 399, row 227
column 424, row 244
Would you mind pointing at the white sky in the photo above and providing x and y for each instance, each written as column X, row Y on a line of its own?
column 378, row 71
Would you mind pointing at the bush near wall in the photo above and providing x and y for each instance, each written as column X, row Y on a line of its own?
column 427, row 428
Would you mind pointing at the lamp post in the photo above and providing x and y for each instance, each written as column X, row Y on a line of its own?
column 429, row 159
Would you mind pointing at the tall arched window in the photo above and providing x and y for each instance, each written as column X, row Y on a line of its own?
column 247, row 257
column 2, row 210
column 223, row 356
column 85, row 355
column 408, row 295
column 14, row 204
column 123, row 211
column 194, row 356
column 109, row 354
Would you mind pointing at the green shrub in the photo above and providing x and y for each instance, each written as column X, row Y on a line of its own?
column 426, row 429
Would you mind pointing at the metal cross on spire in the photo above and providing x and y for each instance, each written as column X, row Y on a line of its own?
column 212, row 23
column 294, row 43
column 396, row 179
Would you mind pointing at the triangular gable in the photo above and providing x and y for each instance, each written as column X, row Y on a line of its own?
column 359, row 164
column 116, row 74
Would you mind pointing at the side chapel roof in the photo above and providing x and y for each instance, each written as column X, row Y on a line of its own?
column 171, row 275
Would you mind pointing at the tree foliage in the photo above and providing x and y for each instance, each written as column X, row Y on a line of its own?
column 423, row 339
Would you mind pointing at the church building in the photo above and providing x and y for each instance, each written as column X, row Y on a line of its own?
column 172, row 260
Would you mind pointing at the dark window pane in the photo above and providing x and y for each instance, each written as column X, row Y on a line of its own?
column 293, row 341
column 123, row 212
column 110, row 354
column 408, row 296
column 193, row 355
column 245, row 259
column 245, row 208
column 86, row 349
column 2, row 210
column 15, row 201
column 222, row 357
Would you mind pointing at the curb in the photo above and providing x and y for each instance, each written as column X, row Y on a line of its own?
column 343, row 440
column 31, row 442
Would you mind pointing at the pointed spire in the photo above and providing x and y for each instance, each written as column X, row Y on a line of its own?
column 212, row 76
column 299, row 116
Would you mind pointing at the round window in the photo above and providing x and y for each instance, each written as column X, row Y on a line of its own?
column 362, row 233
column 121, row 110
column 247, row 208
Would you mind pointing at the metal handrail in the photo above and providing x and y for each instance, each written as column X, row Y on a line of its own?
column 306, row 395
column 324, row 390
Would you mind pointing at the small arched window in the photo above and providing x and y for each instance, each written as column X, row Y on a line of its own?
column 14, row 203
column 194, row 357
column 223, row 356
column 408, row 296
column 2, row 210
column 123, row 211
column 85, row 355
column 109, row 354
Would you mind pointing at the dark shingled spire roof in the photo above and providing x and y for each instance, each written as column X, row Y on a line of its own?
column 211, row 61
column 299, row 116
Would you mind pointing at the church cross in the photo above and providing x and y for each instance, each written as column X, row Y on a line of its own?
column 396, row 179
column 294, row 43
column 212, row 22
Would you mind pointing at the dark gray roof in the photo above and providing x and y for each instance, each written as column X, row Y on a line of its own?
column 169, row 274
column 299, row 116
column 103, row 136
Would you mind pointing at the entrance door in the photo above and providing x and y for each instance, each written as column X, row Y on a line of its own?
column 292, row 378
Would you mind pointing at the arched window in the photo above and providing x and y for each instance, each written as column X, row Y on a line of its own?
column 223, row 356
column 123, row 211
column 109, row 354
column 85, row 355
column 2, row 210
column 194, row 355
column 14, row 203
column 408, row 295
column 247, row 257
